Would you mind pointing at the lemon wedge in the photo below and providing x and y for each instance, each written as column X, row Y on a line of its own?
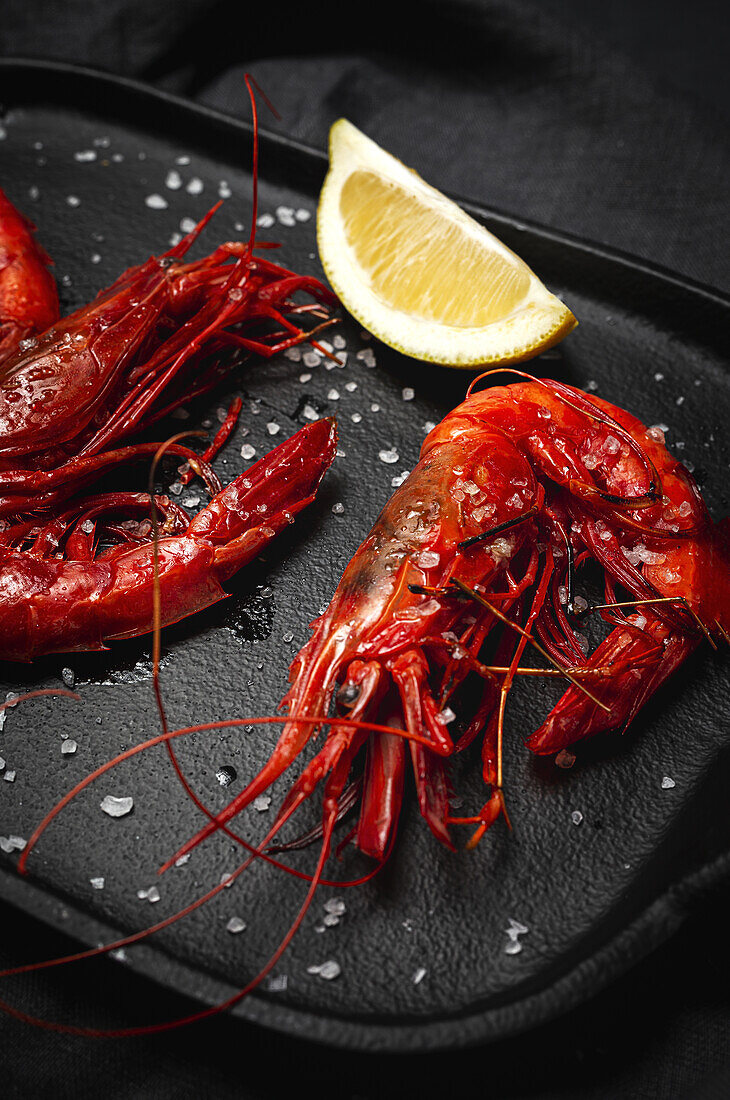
column 418, row 272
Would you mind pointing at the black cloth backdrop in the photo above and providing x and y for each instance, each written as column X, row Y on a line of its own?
column 606, row 120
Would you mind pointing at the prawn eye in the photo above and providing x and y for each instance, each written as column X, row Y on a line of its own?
column 348, row 695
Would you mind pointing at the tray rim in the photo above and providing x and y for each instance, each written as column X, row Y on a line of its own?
column 653, row 923
column 137, row 88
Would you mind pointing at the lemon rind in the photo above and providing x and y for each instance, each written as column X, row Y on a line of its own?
column 540, row 320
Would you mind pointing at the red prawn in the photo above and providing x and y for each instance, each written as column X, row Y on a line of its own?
column 28, row 295
column 513, row 487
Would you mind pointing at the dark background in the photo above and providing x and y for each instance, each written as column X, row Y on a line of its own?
column 606, row 120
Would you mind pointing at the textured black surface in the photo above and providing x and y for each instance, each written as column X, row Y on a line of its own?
column 595, row 897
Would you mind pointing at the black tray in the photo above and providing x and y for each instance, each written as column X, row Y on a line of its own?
column 595, row 897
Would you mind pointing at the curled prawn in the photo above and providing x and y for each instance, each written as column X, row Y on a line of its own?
column 470, row 566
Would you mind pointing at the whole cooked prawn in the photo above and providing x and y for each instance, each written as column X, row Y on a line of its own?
column 476, row 553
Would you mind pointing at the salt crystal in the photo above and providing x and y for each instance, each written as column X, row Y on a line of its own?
column 10, row 844
column 176, row 488
column 156, row 202
column 350, row 386
column 152, row 894
column 658, row 377
column 576, row 817
column 447, row 715
column 97, row 883
column 302, row 215
column 310, row 413
column 262, row 803
column 303, row 378
column 338, row 508
column 515, row 930
column 565, row 759
column 265, row 221
column 366, row 357
column 293, row 354
column 399, row 479
column 190, row 500
column 419, row 975
column 73, row 200
column 9, row 776
column 194, row 186
column 390, row 456
column 408, row 393
column 339, row 342
column 327, row 970
column 247, row 451
column 182, row 860
column 226, row 880
column 182, row 160
column 116, row 807
column 333, row 395
column 650, row 557
column 277, row 983
column 428, row 559
column 376, row 409
column 224, row 190
column 67, row 675
column 173, row 180
column 335, row 906
column 330, row 920
column 188, row 225
column 356, row 418
column 69, row 746
column 285, row 215
column 667, row 783
column 85, row 155
column 236, row 925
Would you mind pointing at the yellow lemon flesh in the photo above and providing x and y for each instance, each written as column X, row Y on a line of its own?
column 418, row 272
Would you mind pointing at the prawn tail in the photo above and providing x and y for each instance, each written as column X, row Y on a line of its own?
column 264, row 500
column 635, row 659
